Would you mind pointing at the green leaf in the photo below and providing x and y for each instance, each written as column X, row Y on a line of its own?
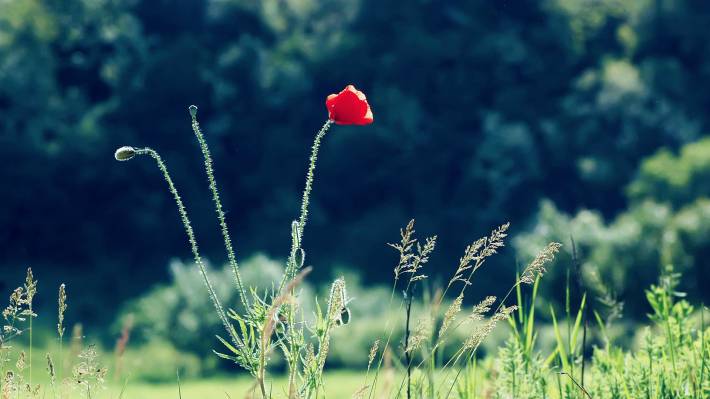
column 560, row 342
column 578, row 321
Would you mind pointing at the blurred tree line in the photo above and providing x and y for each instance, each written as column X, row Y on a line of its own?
column 482, row 110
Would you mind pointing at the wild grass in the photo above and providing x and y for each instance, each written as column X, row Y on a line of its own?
column 438, row 353
column 273, row 320
column 652, row 370
column 85, row 375
column 414, row 368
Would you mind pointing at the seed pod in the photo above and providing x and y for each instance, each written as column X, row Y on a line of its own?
column 295, row 233
column 344, row 317
column 125, row 153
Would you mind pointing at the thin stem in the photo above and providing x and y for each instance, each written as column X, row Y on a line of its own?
column 303, row 218
column 292, row 265
column 310, row 176
column 218, row 206
column 61, row 364
column 459, row 353
column 373, row 387
column 577, row 384
column 193, row 242
column 407, row 352
column 31, row 317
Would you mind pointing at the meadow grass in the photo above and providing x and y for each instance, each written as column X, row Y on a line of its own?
column 673, row 360
column 272, row 321
column 340, row 384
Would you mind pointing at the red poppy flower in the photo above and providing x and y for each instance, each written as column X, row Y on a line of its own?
column 349, row 107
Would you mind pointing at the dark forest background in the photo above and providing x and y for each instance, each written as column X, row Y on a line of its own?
column 548, row 114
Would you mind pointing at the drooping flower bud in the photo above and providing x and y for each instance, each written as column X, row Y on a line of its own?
column 125, row 153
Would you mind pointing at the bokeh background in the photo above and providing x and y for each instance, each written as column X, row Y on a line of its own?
column 569, row 118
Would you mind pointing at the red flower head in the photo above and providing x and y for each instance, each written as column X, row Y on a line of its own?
column 349, row 107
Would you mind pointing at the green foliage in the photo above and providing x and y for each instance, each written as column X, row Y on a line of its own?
column 158, row 361
column 180, row 313
column 669, row 362
column 665, row 224
column 677, row 180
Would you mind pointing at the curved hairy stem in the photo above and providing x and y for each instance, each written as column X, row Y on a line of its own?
column 193, row 242
column 310, row 175
column 297, row 230
column 218, row 206
column 294, row 263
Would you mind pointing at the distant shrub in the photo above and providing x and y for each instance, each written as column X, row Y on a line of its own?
column 674, row 179
column 180, row 315
column 159, row 361
column 666, row 223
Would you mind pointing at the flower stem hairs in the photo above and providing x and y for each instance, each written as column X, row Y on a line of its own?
column 218, row 205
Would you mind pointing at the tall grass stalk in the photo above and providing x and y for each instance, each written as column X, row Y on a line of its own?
column 30, row 291
column 532, row 272
column 61, row 309
column 409, row 264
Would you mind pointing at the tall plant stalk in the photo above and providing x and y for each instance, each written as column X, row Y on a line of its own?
column 299, row 226
column 218, row 206
column 30, row 291
column 293, row 263
column 191, row 238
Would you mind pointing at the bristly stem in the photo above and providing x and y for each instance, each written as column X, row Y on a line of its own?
column 218, row 206
column 292, row 265
column 310, row 175
column 193, row 242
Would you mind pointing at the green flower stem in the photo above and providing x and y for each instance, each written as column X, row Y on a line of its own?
column 310, row 176
column 292, row 265
column 218, row 206
column 193, row 242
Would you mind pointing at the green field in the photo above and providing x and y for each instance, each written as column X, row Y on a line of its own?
column 338, row 385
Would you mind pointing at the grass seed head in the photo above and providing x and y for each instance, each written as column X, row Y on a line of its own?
column 450, row 314
column 536, row 268
column 62, row 308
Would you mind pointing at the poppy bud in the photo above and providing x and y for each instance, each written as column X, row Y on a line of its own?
column 125, row 153
column 193, row 110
